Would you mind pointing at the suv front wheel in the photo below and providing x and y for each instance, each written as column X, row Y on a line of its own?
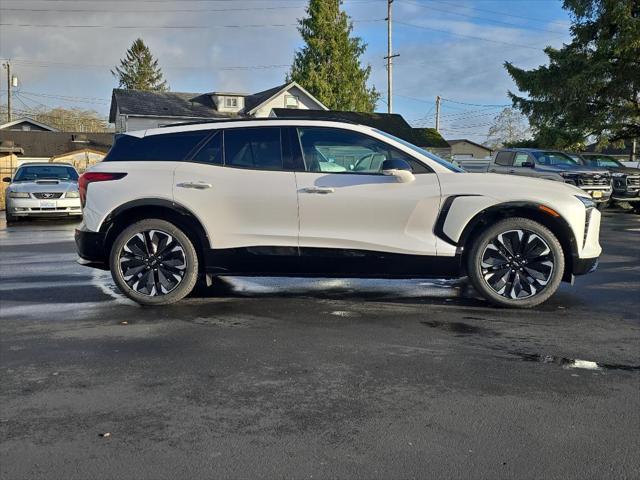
column 516, row 262
column 154, row 263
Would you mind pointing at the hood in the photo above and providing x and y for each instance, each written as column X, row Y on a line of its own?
column 577, row 169
column 44, row 186
column 625, row 170
column 496, row 185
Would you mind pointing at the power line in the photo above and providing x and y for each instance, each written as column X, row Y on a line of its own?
column 172, row 27
column 37, row 63
column 468, row 36
column 179, row 10
column 499, row 22
column 498, row 13
column 476, row 104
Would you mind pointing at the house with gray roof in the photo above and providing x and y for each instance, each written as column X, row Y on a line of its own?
column 140, row 110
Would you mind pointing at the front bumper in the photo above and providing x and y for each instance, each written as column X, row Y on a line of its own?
column 91, row 249
column 598, row 195
column 31, row 207
column 626, row 195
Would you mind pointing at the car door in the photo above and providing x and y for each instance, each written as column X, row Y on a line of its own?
column 238, row 187
column 522, row 165
column 350, row 209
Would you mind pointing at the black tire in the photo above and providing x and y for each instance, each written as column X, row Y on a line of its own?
column 10, row 218
column 161, row 262
column 636, row 207
column 531, row 267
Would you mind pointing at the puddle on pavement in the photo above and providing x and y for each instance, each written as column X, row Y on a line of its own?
column 573, row 362
column 460, row 328
column 463, row 329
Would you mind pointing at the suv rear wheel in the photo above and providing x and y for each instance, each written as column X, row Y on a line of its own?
column 516, row 263
column 154, row 263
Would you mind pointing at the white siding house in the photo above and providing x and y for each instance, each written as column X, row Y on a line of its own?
column 138, row 110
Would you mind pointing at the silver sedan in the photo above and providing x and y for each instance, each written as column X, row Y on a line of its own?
column 43, row 190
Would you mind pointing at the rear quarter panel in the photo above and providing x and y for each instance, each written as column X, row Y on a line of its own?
column 143, row 180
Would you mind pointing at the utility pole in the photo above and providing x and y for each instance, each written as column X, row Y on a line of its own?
column 7, row 65
column 438, row 113
column 389, row 59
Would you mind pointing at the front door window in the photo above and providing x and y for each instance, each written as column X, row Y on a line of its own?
column 332, row 150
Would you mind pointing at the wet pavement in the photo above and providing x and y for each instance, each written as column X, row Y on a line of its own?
column 314, row 378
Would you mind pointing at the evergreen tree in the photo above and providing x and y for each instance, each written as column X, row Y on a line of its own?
column 328, row 66
column 139, row 70
column 591, row 86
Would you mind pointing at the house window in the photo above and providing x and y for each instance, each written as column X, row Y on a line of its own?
column 290, row 101
column 231, row 102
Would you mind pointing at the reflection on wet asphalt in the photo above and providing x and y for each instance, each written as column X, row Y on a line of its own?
column 300, row 377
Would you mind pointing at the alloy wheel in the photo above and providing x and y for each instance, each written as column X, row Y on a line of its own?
column 517, row 264
column 153, row 262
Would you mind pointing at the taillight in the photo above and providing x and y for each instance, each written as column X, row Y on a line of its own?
column 90, row 177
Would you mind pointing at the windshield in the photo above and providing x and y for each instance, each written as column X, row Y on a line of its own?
column 421, row 151
column 602, row 161
column 45, row 172
column 553, row 158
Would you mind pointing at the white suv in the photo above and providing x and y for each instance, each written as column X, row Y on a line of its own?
column 327, row 199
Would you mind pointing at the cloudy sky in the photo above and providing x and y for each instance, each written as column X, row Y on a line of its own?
column 62, row 50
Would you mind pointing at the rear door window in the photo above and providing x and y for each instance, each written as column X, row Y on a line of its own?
column 504, row 158
column 257, row 148
column 211, row 151
column 159, row 147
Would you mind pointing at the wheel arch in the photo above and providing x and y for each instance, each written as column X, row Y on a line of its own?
column 556, row 223
column 126, row 214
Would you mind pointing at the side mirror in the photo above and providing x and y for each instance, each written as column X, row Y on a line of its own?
column 399, row 169
column 528, row 165
column 7, row 179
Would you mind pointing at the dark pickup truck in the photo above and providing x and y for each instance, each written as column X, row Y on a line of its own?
column 554, row 165
column 626, row 180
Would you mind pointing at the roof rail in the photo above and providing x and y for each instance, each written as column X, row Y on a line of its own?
column 265, row 119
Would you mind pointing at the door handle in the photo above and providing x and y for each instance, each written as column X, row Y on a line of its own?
column 196, row 185
column 320, row 190
column 512, row 171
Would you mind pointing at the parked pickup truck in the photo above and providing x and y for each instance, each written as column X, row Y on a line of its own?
column 626, row 180
column 553, row 165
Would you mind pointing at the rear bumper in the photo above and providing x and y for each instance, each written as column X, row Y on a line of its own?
column 91, row 250
column 582, row 266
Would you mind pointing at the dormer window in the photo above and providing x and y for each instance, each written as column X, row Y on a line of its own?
column 290, row 101
column 231, row 102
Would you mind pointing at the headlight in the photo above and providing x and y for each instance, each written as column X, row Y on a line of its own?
column 19, row 194
column 618, row 174
column 72, row 195
column 588, row 203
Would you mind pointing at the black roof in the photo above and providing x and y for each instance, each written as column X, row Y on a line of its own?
column 163, row 104
column 392, row 123
column 49, row 144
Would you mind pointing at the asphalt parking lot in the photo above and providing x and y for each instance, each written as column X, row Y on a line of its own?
column 302, row 378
